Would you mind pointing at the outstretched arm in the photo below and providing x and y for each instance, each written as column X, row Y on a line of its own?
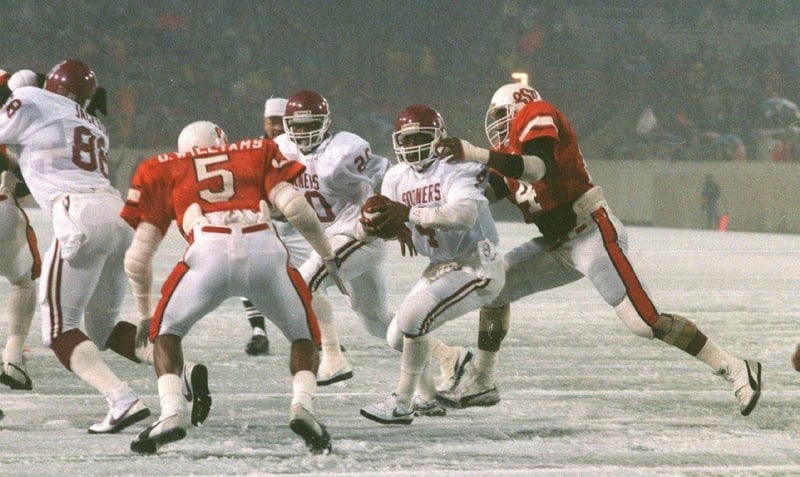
column 299, row 213
column 530, row 166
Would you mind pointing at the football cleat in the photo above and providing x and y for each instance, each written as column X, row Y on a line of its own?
column 333, row 369
column 123, row 413
column 15, row 376
column 745, row 377
column 167, row 429
column 389, row 411
column 257, row 346
column 305, row 425
column 195, row 391
column 428, row 408
column 469, row 392
column 453, row 370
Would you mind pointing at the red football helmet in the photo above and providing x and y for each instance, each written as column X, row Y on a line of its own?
column 307, row 119
column 73, row 79
column 416, row 130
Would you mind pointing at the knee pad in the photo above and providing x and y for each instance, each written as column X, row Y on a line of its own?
column 123, row 341
column 394, row 336
column 679, row 332
column 493, row 327
column 64, row 344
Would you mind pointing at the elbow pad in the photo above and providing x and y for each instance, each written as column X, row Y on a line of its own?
column 299, row 213
column 533, row 168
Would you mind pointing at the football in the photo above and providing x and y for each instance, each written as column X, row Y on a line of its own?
column 369, row 204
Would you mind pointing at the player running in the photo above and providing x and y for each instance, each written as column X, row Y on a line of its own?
column 448, row 214
column 538, row 166
column 218, row 194
column 62, row 158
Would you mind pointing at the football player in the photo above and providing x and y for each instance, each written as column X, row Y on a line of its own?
column 20, row 263
column 444, row 206
column 62, row 158
column 538, row 166
column 341, row 172
column 299, row 249
column 218, row 193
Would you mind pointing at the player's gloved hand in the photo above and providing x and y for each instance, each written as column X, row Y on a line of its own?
column 143, row 333
column 458, row 150
column 406, row 244
column 332, row 265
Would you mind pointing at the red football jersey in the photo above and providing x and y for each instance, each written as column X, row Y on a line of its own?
column 236, row 176
column 568, row 179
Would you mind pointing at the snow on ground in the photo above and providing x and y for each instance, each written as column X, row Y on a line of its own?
column 581, row 395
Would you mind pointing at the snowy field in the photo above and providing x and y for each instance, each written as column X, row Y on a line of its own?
column 581, row 395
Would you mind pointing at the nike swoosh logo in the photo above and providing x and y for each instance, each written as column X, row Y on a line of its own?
column 114, row 421
column 396, row 414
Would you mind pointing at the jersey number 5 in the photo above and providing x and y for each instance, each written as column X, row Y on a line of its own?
column 226, row 179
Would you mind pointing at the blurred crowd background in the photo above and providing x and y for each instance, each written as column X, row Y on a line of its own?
column 681, row 80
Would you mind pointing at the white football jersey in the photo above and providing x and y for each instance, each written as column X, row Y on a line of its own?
column 442, row 183
column 340, row 174
column 62, row 148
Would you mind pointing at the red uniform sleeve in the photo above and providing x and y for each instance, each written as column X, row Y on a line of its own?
column 537, row 119
column 148, row 199
column 280, row 169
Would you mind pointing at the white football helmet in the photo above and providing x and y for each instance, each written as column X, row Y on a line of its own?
column 507, row 100
column 416, row 130
column 201, row 134
column 22, row 78
column 307, row 119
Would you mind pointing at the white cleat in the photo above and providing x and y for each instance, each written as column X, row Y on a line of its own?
column 125, row 412
column 453, row 369
column 745, row 377
column 428, row 408
column 15, row 376
column 389, row 411
column 333, row 369
column 167, row 429
column 469, row 392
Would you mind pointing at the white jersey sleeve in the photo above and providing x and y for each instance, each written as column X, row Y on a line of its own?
column 340, row 174
column 62, row 148
column 443, row 183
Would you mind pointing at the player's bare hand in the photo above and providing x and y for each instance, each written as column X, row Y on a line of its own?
column 453, row 149
column 143, row 333
column 406, row 243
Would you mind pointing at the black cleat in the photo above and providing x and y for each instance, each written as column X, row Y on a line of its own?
column 257, row 346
